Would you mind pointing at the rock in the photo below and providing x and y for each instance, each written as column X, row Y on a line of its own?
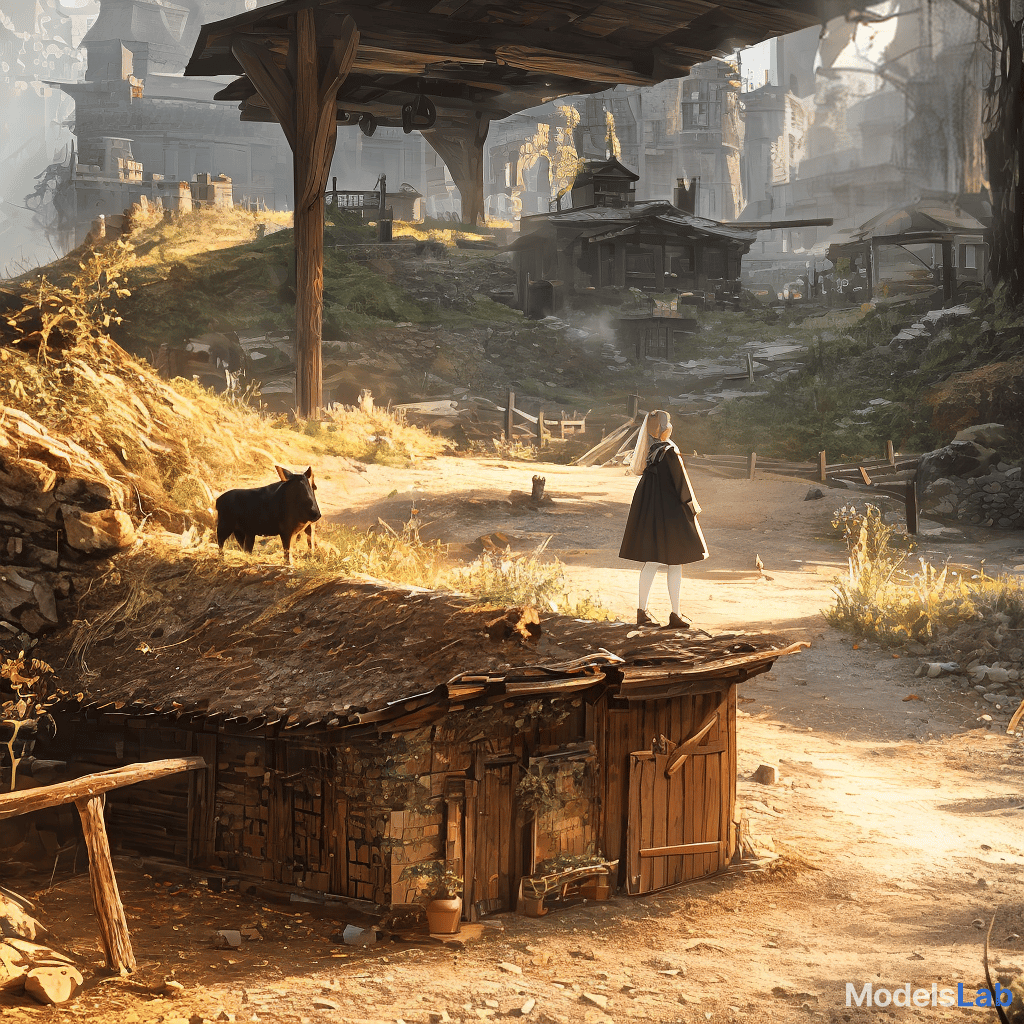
column 227, row 938
column 16, row 921
column 527, row 1008
column 353, row 936
column 766, row 774
column 13, row 968
column 170, row 989
column 595, row 1000
column 53, row 983
column 98, row 532
column 958, row 459
column 813, row 493
column 991, row 435
column 324, row 1004
column 510, row 968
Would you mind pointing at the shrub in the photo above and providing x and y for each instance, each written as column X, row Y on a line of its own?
column 881, row 598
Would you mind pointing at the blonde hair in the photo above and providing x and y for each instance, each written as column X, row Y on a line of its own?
column 654, row 425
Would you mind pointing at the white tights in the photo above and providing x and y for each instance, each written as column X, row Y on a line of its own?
column 675, row 581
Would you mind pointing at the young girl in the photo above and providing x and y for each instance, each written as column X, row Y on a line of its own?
column 662, row 527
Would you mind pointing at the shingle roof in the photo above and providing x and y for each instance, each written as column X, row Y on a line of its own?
column 262, row 647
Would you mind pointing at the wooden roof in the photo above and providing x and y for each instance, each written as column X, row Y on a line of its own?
column 477, row 56
column 607, row 222
column 261, row 648
column 611, row 168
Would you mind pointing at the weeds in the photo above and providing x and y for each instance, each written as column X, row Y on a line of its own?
column 401, row 556
column 508, row 579
column 884, row 599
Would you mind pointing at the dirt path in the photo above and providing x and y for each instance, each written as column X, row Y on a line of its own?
column 898, row 820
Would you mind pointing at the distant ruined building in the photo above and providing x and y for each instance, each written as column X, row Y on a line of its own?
column 144, row 130
column 830, row 135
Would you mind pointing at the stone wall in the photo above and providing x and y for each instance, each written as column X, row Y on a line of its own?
column 971, row 483
column 995, row 499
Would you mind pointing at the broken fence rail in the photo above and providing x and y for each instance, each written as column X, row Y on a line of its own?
column 894, row 475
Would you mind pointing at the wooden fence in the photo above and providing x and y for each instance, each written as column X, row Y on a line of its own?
column 894, row 475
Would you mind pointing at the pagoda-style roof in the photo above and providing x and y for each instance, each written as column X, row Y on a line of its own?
column 476, row 57
column 608, row 222
column 611, row 168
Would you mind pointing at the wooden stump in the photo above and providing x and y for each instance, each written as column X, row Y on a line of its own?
column 523, row 623
column 117, row 943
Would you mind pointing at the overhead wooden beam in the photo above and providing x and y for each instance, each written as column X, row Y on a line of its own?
column 27, row 800
column 270, row 82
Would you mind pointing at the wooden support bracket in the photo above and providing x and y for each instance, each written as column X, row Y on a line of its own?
column 88, row 794
column 688, row 746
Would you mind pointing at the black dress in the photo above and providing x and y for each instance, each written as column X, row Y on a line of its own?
column 661, row 527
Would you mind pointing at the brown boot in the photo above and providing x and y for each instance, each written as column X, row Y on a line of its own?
column 643, row 619
column 676, row 622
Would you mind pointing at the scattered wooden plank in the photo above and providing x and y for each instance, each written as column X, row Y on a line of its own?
column 605, row 447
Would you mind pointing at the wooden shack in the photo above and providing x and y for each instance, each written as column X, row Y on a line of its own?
column 357, row 734
column 652, row 246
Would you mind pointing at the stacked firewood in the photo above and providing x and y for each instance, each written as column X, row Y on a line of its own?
column 59, row 510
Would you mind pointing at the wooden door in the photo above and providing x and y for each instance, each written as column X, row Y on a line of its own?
column 678, row 806
column 493, row 843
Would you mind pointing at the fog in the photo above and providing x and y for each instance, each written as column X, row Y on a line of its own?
column 845, row 124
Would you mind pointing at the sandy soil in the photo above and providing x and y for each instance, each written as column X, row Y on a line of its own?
column 897, row 819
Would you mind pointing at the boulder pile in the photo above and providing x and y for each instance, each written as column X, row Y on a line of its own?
column 26, row 965
column 969, row 481
column 59, row 510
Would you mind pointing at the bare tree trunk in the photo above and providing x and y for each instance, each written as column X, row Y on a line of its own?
column 1004, row 145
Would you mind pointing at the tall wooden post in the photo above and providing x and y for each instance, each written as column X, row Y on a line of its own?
column 117, row 943
column 948, row 272
column 510, row 410
column 302, row 98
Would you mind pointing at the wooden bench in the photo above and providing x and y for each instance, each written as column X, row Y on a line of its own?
column 537, row 888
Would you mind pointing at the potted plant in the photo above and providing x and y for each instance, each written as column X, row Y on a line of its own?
column 444, row 911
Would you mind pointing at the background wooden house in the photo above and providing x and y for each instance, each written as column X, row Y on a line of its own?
column 357, row 735
column 652, row 246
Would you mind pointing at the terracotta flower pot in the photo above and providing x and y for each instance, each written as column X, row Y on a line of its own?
column 444, row 917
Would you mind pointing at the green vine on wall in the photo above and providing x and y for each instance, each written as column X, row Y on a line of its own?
column 538, row 791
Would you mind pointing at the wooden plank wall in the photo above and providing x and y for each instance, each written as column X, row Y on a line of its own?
column 572, row 827
column 633, row 727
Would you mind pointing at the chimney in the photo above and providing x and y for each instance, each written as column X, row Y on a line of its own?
column 683, row 198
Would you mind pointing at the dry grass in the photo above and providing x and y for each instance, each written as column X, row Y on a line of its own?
column 396, row 557
column 892, row 600
column 173, row 442
column 160, row 243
